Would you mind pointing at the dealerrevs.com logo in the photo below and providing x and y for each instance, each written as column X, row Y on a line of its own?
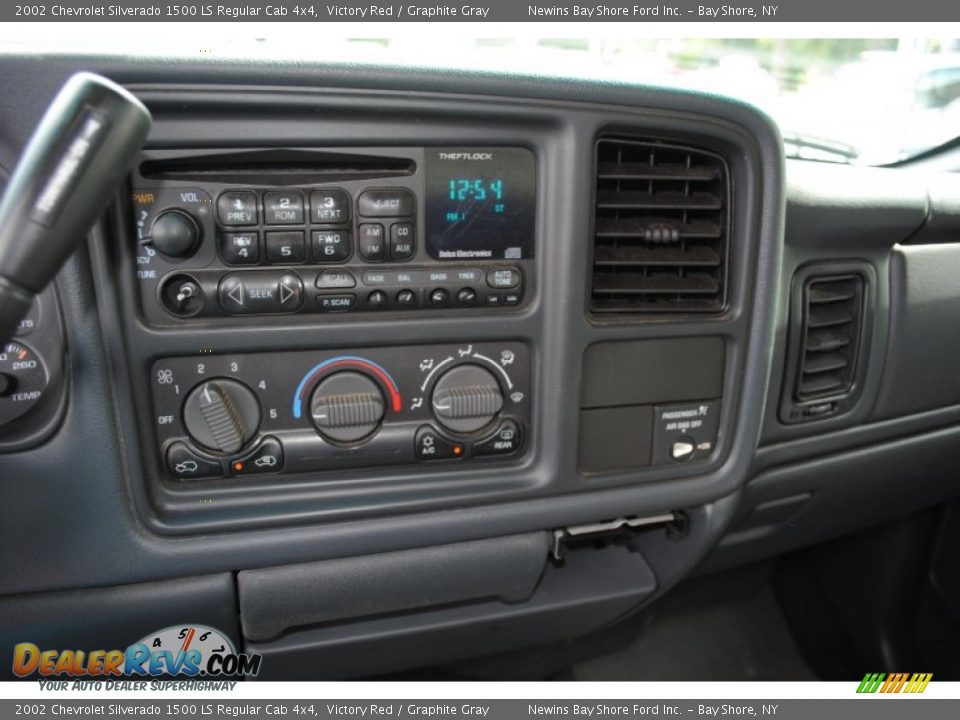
column 183, row 650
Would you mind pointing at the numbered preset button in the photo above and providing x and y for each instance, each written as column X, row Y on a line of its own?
column 329, row 206
column 331, row 246
column 283, row 208
column 286, row 247
column 240, row 248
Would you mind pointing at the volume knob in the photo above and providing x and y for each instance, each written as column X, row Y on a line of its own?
column 222, row 415
column 347, row 407
column 466, row 399
column 174, row 233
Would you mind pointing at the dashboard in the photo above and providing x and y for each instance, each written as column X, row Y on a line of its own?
column 379, row 369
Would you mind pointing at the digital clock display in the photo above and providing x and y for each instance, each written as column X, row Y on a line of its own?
column 480, row 203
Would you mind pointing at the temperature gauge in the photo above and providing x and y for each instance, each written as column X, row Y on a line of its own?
column 23, row 380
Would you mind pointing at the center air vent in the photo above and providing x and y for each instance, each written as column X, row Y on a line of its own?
column 660, row 229
column 831, row 335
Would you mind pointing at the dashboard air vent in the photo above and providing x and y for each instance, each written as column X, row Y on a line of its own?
column 832, row 315
column 660, row 229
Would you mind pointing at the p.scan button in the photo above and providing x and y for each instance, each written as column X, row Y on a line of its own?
column 250, row 293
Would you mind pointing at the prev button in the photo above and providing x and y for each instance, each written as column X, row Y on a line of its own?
column 247, row 293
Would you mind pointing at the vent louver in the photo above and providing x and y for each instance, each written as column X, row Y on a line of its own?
column 830, row 335
column 660, row 229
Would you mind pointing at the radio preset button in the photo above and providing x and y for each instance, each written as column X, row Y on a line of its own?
column 329, row 206
column 283, row 208
column 439, row 297
column 336, row 303
column 377, row 300
column 371, row 242
column 503, row 278
column 286, row 247
column 237, row 208
column 385, row 203
column 335, row 280
column 406, row 299
column 248, row 293
column 402, row 241
column 331, row 246
column 240, row 248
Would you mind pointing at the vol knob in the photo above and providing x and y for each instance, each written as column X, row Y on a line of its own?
column 174, row 233
column 466, row 398
column 222, row 415
column 347, row 407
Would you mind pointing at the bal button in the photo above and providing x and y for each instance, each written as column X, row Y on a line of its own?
column 406, row 299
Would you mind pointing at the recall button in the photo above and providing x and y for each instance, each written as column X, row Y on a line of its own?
column 335, row 280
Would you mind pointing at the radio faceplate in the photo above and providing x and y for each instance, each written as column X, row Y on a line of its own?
column 323, row 232
column 280, row 413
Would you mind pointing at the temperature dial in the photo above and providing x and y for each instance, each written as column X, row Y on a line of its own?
column 347, row 407
column 466, row 399
column 23, row 379
column 222, row 415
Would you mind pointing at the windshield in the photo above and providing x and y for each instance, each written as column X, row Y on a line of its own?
column 863, row 100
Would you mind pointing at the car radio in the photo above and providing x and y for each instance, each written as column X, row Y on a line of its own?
column 283, row 232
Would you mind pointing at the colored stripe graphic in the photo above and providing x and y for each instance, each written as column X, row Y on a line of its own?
column 894, row 683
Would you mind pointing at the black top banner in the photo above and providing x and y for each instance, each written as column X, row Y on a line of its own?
column 639, row 11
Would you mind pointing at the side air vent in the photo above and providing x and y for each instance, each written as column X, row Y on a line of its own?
column 831, row 331
column 829, row 314
column 660, row 229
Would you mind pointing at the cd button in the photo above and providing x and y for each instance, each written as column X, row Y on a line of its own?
column 283, row 208
column 402, row 241
column 237, row 208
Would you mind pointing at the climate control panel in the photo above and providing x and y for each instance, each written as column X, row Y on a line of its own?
column 235, row 415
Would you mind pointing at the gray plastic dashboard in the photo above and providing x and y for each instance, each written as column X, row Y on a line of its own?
column 90, row 508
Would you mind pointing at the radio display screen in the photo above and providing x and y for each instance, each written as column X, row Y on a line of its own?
column 480, row 203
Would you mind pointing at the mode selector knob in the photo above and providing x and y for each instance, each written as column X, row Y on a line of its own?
column 466, row 398
column 222, row 415
column 347, row 407
column 174, row 233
